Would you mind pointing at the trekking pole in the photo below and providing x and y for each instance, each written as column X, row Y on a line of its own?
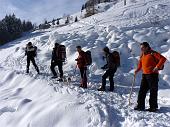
column 133, row 82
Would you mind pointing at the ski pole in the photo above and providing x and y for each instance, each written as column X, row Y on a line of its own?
column 133, row 82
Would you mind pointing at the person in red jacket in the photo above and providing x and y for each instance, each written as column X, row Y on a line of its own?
column 81, row 63
column 150, row 63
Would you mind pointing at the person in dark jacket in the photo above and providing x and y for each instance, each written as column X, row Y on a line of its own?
column 81, row 63
column 150, row 62
column 30, row 52
column 56, row 61
column 111, row 69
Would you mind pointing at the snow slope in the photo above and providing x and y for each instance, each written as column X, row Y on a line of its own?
column 37, row 101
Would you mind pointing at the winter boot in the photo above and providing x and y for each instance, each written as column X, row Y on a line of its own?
column 101, row 88
column 139, row 108
column 111, row 89
column 27, row 71
column 37, row 70
column 55, row 76
column 60, row 80
column 152, row 109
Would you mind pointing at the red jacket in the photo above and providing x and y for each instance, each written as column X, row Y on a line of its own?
column 149, row 61
column 81, row 60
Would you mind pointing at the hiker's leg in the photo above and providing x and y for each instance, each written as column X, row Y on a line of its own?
column 106, row 74
column 60, row 68
column 52, row 67
column 153, row 85
column 28, row 64
column 144, row 87
column 111, row 75
column 35, row 65
column 85, row 78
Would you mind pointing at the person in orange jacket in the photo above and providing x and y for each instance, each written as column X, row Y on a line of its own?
column 81, row 63
column 150, row 63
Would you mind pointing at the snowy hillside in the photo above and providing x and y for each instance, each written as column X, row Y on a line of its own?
column 32, row 100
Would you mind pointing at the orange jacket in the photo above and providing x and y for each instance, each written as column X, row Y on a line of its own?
column 149, row 61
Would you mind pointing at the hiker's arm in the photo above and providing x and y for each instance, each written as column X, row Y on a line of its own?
column 161, row 59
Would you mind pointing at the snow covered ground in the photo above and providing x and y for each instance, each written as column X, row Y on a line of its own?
column 31, row 100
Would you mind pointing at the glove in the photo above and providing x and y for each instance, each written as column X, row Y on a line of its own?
column 155, row 69
column 103, row 67
column 103, row 57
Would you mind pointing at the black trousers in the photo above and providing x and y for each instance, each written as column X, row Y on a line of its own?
column 109, row 73
column 60, row 68
column 149, row 82
column 31, row 59
column 83, row 77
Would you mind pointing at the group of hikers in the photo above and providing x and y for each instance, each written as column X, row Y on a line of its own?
column 150, row 63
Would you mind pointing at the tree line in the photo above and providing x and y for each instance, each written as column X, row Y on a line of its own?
column 12, row 28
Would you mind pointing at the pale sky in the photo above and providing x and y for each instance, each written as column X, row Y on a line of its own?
column 38, row 10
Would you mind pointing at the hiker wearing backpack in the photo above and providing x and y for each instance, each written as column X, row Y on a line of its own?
column 58, row 57
column 82, row 65
column 150, row 63
column 111, row 68
column 30, row 52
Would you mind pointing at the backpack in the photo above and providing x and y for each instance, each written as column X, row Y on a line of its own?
column 61, row 53
column 31, row 51
column 88, row 57
column 116, row 58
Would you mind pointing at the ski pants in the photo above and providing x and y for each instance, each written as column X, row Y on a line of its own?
column 109, row 73
column 60, row 68
column 31, row 59
column 148, row 82
column 83, row 77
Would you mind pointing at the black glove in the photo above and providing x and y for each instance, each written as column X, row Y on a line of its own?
column 103, row 67
column 103, row 57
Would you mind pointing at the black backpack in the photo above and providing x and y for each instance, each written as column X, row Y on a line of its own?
column 116, row 58
column 88, row 58
column 61, row 54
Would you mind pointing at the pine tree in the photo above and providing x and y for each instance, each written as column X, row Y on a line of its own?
column 12, row 28
column 83, row 7
column 67, row 20
column 76, row 19
column 58, row 21
column 53, row 21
